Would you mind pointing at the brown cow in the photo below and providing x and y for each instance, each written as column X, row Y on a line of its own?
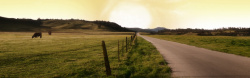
column 37, row 35
column 49, row 32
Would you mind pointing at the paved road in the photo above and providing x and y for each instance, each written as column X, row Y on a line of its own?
column 193, row 62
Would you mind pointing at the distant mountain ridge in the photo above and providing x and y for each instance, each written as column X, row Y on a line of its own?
column 158, row 29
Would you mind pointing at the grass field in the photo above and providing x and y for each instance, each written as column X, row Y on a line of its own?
column 228, row 44
column 75, row 55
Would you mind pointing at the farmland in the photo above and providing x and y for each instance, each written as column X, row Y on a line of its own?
column 238, row 45
column 76, row 55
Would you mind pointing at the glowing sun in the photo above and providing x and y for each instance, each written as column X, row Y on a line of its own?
column 131, row 15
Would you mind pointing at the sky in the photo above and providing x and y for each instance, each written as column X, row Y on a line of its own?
column 172, row 14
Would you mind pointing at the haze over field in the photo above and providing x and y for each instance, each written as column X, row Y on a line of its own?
column 206, row 14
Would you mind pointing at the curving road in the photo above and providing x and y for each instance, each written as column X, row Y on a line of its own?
column 193, row 62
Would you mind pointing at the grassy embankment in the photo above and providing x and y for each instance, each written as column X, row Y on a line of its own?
column 75, row 55
column 227, row 44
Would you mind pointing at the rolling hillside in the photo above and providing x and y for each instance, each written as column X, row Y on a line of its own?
column 57, row 25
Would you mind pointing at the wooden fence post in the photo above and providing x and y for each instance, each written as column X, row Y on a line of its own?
column 131, row 41
column 118, row 52
column 108, row 71
column 136, row 40
column 122, row 46
column 131, row 38
column 126, row 44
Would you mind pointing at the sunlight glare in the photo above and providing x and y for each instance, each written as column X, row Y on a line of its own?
column 131, row 15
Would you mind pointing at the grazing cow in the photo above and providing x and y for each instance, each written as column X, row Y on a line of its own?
column 37, row 35
column 49, row 32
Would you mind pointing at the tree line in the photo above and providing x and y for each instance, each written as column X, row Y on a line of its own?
column 230, row 31
column 22, row 21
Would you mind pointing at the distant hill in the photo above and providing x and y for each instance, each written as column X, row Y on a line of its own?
column 158, row 29
column 11, row 24
column 58, row 25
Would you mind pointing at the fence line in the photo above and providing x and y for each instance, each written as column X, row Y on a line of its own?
column 128, row 44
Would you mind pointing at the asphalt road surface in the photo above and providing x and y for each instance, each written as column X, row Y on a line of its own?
column 193, row 62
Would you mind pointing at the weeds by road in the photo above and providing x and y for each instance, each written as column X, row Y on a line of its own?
column 145, row 61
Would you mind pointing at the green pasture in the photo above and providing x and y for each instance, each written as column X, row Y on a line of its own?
column 239, row 45
column 76, row 55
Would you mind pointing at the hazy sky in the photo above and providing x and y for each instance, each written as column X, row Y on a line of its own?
column 206, row 14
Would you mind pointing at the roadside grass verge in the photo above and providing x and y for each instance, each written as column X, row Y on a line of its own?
column 228, row 44
column 75, row 55
column 144, row 61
